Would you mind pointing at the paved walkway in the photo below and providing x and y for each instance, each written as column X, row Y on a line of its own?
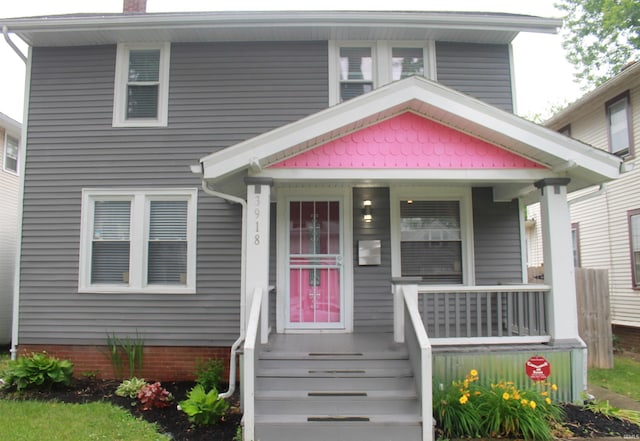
column 616, row 400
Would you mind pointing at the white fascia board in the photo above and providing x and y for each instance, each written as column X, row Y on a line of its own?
column 252, row 19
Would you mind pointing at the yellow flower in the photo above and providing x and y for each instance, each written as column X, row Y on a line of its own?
column 554, row 387
column 473, row 373
column 524, row 402
column 505, row 396
column 516, row 395
column 463, row 399
column 544, row 394
column 547, row 400
column 532, row 404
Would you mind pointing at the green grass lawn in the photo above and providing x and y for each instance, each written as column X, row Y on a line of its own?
column 35, row 420
column 622, row 379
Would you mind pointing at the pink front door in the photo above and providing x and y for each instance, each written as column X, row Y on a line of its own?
column 315, row 264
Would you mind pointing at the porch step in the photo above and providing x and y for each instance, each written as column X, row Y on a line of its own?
column 335, row 394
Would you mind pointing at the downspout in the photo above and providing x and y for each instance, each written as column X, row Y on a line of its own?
column 5, row 32
column 22, row 158
column 234, row 348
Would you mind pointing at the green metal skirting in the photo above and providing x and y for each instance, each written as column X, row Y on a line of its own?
column 494, row 364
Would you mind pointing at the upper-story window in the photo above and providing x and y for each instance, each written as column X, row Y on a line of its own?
column 142, row 85
column 11, row 149
column 359, row 67
column 619, row 125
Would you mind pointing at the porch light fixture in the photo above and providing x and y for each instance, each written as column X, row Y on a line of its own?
column 366, row 211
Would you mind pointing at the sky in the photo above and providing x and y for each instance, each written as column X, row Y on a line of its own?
column 544, row 78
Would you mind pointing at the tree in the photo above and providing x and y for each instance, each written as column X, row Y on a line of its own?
column 600, row 37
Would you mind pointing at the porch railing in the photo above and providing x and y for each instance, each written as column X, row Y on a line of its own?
column 482, row 314
column 420, row 355
column 253, row 342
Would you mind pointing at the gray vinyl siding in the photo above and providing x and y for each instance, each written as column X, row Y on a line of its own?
column 496, row 233
column 482, row 71
column 373, row 303
column 219, row 94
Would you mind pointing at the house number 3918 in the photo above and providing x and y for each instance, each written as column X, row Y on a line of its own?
column 256, row 211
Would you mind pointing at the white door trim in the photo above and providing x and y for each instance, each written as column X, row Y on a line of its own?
column 286, row 194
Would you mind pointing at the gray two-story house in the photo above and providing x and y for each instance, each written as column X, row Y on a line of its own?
column 332, row 198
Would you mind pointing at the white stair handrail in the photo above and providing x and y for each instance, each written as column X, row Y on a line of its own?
column 249, row 377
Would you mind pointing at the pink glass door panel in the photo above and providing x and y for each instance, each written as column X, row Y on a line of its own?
column 315, row 263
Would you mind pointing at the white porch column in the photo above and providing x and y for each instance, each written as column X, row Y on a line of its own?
column 558, row 259
column 257, row 238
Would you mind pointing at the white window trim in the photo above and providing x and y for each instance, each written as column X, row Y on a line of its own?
column 140, row 203
column 463, row 195
column 4, row 154
column 381, row 53
column 120, row 87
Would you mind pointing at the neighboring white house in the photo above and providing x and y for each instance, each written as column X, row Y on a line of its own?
column 605, row 220
column 9, row 190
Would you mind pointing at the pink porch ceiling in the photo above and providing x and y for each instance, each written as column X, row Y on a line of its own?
column 408, row 141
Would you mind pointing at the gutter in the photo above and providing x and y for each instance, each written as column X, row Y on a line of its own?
column 243, row 270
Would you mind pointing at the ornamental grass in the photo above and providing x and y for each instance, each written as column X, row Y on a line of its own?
column 471, row 409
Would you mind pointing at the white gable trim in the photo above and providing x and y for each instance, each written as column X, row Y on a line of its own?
column 429, row 99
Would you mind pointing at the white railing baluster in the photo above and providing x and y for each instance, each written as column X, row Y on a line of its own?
column 502, row 313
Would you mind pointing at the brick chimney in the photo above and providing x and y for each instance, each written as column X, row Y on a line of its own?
column 134, row 6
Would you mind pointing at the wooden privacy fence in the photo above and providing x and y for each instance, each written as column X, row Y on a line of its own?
column 594, row 315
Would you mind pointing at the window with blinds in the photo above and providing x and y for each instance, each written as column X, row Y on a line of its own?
column 431, row 241
column 138, row 241
column 110, row 250
column 142, row 89
column 11, row 154
column 167, row 250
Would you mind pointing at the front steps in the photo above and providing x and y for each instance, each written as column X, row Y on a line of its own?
column 335, row 388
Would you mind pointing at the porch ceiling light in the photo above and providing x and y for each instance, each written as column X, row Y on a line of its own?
column 366, row 211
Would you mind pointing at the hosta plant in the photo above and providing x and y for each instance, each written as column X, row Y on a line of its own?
column 37, row 371
column 154, row 396
column 131, row 387
column 203, row 408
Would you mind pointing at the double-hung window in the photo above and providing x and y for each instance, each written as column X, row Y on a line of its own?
column 11, row 149
column 141, row 85
column 433, row 240
column 138, row 241
column 634, row 239
column 619, row 125
column 359, row 67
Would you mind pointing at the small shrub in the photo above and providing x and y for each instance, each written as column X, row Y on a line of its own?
column 38, row 371
column 130, row 388
column 204, row 408
column 154, row 396
column 209, row 373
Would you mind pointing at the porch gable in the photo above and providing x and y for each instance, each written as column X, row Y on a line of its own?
column 407, row 141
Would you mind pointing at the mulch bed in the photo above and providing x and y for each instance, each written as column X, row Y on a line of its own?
column 581, row 422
